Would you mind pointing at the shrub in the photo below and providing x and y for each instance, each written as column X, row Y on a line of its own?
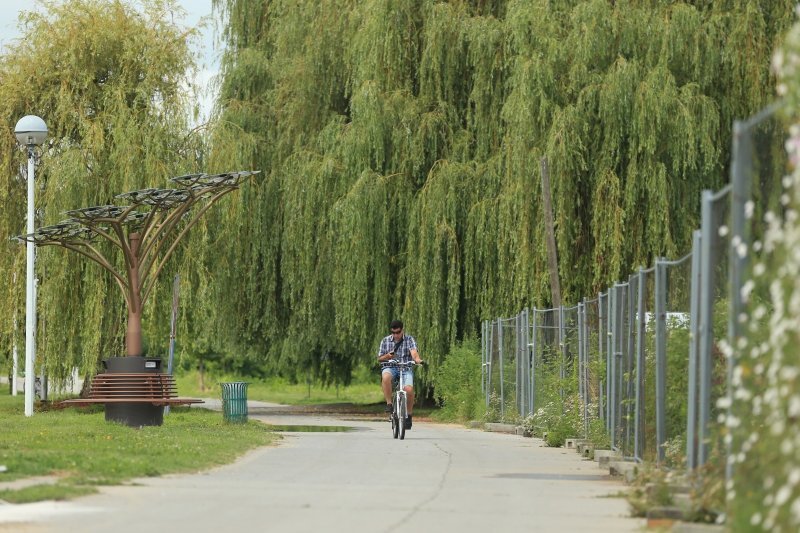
column 457, row 382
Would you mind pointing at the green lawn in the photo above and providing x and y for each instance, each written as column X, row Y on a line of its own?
column 279, row 390
column 84, row 450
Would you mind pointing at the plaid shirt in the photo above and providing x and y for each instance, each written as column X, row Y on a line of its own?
column 403, row 352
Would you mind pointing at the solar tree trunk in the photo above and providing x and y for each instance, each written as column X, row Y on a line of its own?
column 133, row 336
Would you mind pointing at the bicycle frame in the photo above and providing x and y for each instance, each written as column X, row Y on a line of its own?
column 400, row 400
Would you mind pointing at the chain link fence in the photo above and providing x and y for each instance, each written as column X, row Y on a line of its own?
column 643, row 359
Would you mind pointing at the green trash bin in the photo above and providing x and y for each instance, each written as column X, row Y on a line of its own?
column 234, row 401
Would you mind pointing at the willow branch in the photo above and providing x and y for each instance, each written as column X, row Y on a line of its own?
column 165, row 226
column 98, row 258
column 146, row 274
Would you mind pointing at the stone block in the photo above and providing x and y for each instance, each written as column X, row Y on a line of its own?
column 689, row 527
column 662, row 517
column 603, row 457
column 625, row 469
column 500, row 428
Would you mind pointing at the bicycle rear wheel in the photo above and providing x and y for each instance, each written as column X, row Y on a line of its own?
column 395, row 421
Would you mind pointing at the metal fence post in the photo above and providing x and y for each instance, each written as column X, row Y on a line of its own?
column 601, row 339
column 533, row 364
column 562, row 350
column 609, row 361
column 519, row 387
column 502, row 373
column 484, row 341
column 661, row 356
column 708, row 263
column 629, row 359
column 580, row 351
column 612, row 396
column 640, row 367
column 694, row 340
column 585, row 375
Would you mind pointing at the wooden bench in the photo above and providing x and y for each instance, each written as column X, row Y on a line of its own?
column 151, row 388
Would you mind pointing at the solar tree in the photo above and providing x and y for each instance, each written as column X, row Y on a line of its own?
column 146, row 231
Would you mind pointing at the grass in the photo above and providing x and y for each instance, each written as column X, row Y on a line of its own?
column 363, row 397
column 279, row 390
column 83, row 450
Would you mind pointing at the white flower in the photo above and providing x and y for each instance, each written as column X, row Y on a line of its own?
column 755, row 519
column 777, row 61
column 783, row 495
column 749, row 208
column 787, row 446
column 723, row 230
column 747, row 288
column 741, row 250
column 759, row 269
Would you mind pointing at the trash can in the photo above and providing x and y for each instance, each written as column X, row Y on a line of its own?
column 234, row 402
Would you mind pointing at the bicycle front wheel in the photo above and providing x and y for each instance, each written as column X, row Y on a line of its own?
column 402, row 418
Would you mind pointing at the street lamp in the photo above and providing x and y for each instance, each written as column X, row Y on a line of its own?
column 31, row 131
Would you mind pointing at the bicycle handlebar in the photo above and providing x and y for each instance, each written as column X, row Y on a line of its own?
column 407, row 364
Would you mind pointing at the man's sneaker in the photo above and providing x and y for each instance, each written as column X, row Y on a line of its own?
column 408, row 422
column 388, row 408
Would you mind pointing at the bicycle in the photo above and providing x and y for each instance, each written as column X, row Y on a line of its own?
column 399, row 400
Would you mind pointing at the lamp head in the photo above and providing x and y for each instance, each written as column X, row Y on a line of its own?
column 31, row 130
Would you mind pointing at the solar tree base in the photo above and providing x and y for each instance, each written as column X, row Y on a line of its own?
column 134, row 414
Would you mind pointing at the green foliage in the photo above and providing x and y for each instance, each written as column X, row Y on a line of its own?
column 402, row 142
column 109, row 80
column 84, row 450
column 761, row 421
column 457, row 383
column 558, row 413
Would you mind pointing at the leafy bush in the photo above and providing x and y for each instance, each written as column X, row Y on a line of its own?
column 457, row 383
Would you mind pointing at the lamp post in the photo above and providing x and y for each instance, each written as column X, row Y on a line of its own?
column 31, row 131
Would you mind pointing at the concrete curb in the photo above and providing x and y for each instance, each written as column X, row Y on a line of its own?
column 689, row 527
column 495, row 427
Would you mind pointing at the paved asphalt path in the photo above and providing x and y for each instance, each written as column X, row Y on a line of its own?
column 441, row 478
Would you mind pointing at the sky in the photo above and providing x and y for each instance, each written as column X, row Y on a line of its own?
column 208, row 66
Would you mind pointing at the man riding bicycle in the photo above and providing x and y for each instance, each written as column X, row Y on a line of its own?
column 401, row 348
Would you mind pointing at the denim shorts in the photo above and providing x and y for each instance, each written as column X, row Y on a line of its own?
column 408, row 375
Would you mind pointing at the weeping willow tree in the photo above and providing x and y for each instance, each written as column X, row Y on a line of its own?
column 404, row 140
column 110, row 81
